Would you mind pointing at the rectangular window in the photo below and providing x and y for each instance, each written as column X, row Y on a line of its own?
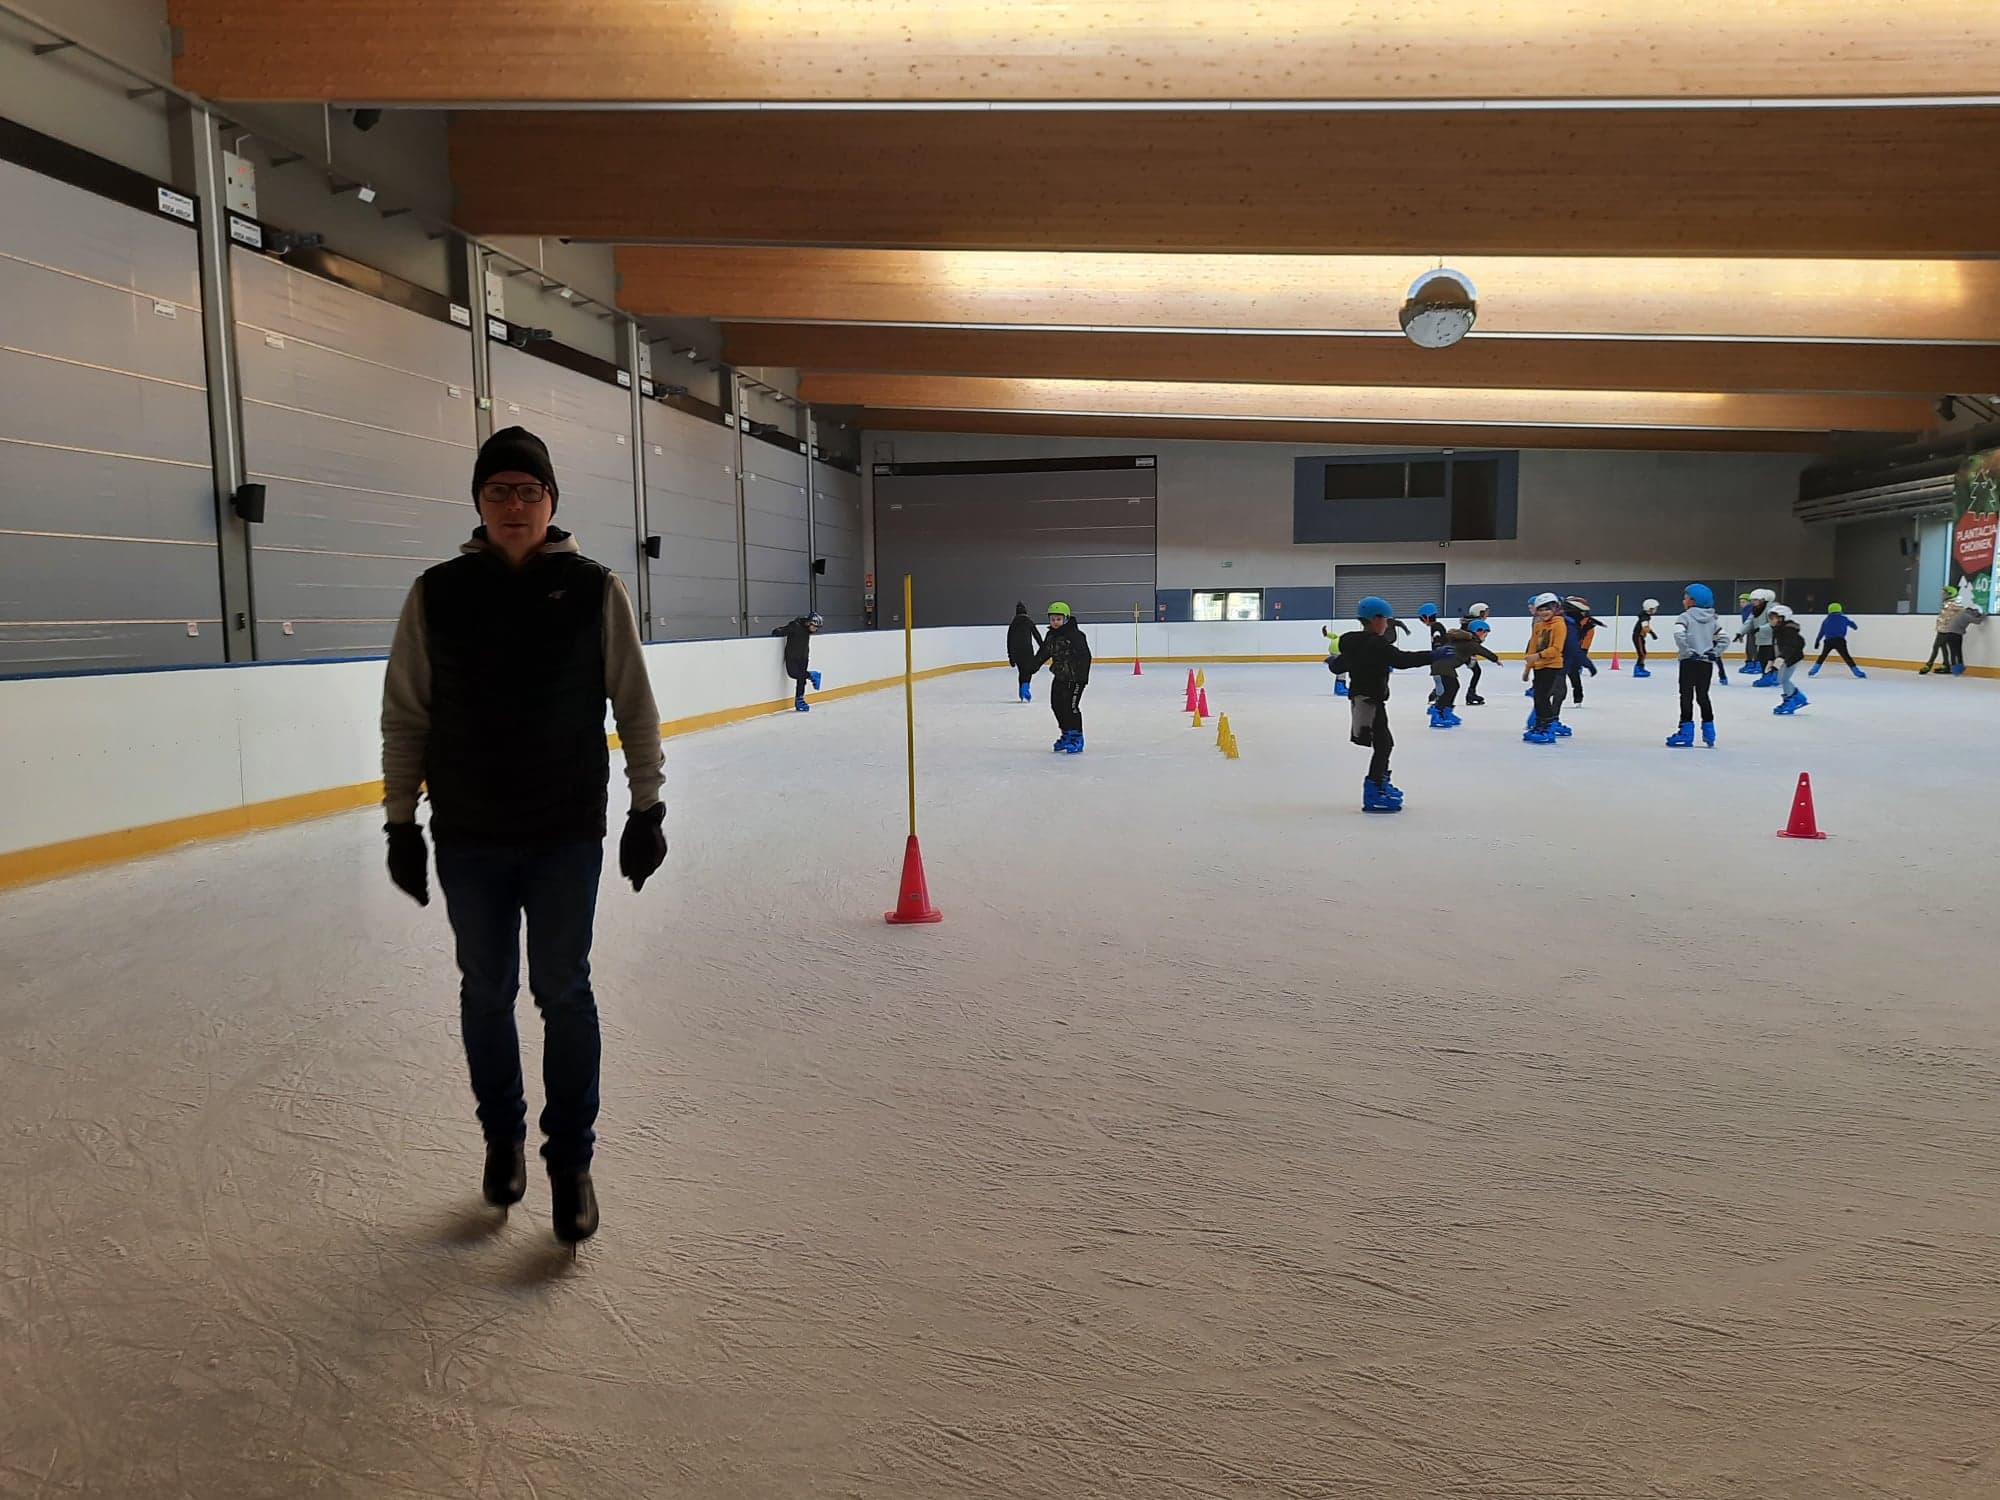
column 1475, row 500
column 1228, row 604
column 1366, row 481
column 1406, row 497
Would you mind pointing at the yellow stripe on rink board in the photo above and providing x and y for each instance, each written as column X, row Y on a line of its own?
column 47, row 861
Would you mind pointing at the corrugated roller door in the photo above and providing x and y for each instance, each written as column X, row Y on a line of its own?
column 774, row 532
column 587, row 424
column 691, row 506
column 1405, row 586
column 107, row 497
column 837, row 538
column 358, row 418
column 978, row 538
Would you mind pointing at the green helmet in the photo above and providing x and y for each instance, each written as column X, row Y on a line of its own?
column 1061, row 609
column 1835, row 609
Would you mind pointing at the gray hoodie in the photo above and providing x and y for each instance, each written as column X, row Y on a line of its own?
column 1696, row 633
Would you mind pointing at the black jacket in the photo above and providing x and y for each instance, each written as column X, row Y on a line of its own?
column 1023, row 641
column 1789, row 639
column 798, row 642
column 1368, row 660
column 1465, row 646
column 1067, row 653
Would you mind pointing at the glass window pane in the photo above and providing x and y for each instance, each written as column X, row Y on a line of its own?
column 1365, row 481
column 1209, row 604
column 1246, row 604
column 1427, row 479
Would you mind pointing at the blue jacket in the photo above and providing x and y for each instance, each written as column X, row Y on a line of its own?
column 1835, row 628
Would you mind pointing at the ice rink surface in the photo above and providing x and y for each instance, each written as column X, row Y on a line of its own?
column 1566, row 1137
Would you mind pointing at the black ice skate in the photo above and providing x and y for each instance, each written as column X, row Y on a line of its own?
column 574, row 1206
column 506, row 1180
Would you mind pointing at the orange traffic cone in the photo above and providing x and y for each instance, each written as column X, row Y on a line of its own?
column 1135, row 668
column 1190, row 703
column 1803, row 824
column 913, row 898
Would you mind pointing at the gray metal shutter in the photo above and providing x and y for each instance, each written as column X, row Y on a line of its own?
column 774, row 533
column 587, row 424
column 837, row 538
column 358, row 418
column 1404, row 585
column 107, row 496
column 978, row 538
column 691, row 505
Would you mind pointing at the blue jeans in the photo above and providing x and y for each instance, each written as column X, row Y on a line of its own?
column 487, row 889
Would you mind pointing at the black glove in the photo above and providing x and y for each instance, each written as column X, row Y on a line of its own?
column 1333, row 664
column 409, row 861
column 643, row 847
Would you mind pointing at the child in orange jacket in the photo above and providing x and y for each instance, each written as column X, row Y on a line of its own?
column 1544, row 669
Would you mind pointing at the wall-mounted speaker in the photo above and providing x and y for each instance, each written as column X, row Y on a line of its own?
column 653, row 547
column 248, row 502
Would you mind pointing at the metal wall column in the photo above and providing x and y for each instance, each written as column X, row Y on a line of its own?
column 733, row 389
column 631, row 341
column 811, row 431
column 198, row 169
column 473, row 295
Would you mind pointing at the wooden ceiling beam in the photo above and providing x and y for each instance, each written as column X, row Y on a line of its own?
column 1402, row 405
column 877, row 420
column 1932, row 301
column 1287, row 359
column 777, row 50
column 1713, row 182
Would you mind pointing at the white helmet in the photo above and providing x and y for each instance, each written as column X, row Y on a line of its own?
column 1765, row 596
column 1782, row 611
column 1476, row 612
column 1540, row 599
column 1650, row 604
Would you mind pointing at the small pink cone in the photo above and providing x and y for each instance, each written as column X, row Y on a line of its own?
column 913, row 897
column 1803, row 824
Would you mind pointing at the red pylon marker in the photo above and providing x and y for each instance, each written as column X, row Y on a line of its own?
column 1803, row 825
column 913, row 897
column 1135, row 668
column 1201, row 702
column 1191, row 691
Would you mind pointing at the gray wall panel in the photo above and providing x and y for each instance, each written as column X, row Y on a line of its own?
column 691, row 505
column 586, row 423
column 350, row 422
column 774, row 519
column 975, row 544
column 104, row 456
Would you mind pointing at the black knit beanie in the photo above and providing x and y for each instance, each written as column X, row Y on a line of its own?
column 517, row 449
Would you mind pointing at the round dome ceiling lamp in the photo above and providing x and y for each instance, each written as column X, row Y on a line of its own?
column 1439, row 309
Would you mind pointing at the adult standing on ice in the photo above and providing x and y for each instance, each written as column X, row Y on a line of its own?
column 1067, row 652
column 494, row 701
column 1023, row 642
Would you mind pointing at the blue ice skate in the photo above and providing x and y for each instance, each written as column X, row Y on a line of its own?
column 1641, row 672
column 1708, row 734
column 1393, row 792
column 1027, row 694
column 1538, row 737
column 1061, row 746
column 1682, row 738
column 800, row 705
column 1339, row 688
column 1792, row 704
column 1814, row 672
column 1560, row 730
column 1857, row 671
column 1376, row 799
column 1075, row 745
column 1451, row 719
column 1767, row 679
column 813, row 678
column 1958, row 669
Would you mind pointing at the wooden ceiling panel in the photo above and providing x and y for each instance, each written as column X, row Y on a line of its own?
column 1931, row 301
column 879, row 420
column 1730, row 182
column 1558, row 364
column 776, row 50
column 1401, row 405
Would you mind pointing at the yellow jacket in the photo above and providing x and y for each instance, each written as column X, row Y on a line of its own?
column 1545, row 642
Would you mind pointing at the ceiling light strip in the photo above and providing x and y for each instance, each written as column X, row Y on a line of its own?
column 1172, row 106
column 1374, row 421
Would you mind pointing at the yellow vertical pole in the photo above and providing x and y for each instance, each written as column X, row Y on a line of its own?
column 1135, row 632
column 910, row 701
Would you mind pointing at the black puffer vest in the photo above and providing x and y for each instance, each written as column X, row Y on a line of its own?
column 517, row 752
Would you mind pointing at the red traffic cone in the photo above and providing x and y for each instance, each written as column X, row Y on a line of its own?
column 1135, row 668
column 1803, row 824
column 913, row 897
column 1191, row 690
column 1201, row 702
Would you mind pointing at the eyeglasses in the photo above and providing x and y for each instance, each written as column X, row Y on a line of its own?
column 500, row 494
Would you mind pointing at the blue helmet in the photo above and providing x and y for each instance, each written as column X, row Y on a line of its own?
column 1373, row 608
column 1479, row 627
column 1427, row 611
column 1702, row 594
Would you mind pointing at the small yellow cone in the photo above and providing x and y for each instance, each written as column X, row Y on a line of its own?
column 1222, row 731
column 1195, row 719
column 1201, row 677
column 1229, row 750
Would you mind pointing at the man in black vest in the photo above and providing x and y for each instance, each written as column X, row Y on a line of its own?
column 494, row 701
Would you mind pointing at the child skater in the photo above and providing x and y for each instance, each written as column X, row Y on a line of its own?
column 1583, row 626
column 1547, row 635
column 1368, row 656
column 1467, row 646
column 1789, row 644
column 1474, row 615
column 1067, row 652
column 1698, row 640
column 798, row 636
column 1758, row 651
column 1023, row 641
column 1333, row 645
column 1833, row 637
column 1642, row 632
column 1428, row 614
